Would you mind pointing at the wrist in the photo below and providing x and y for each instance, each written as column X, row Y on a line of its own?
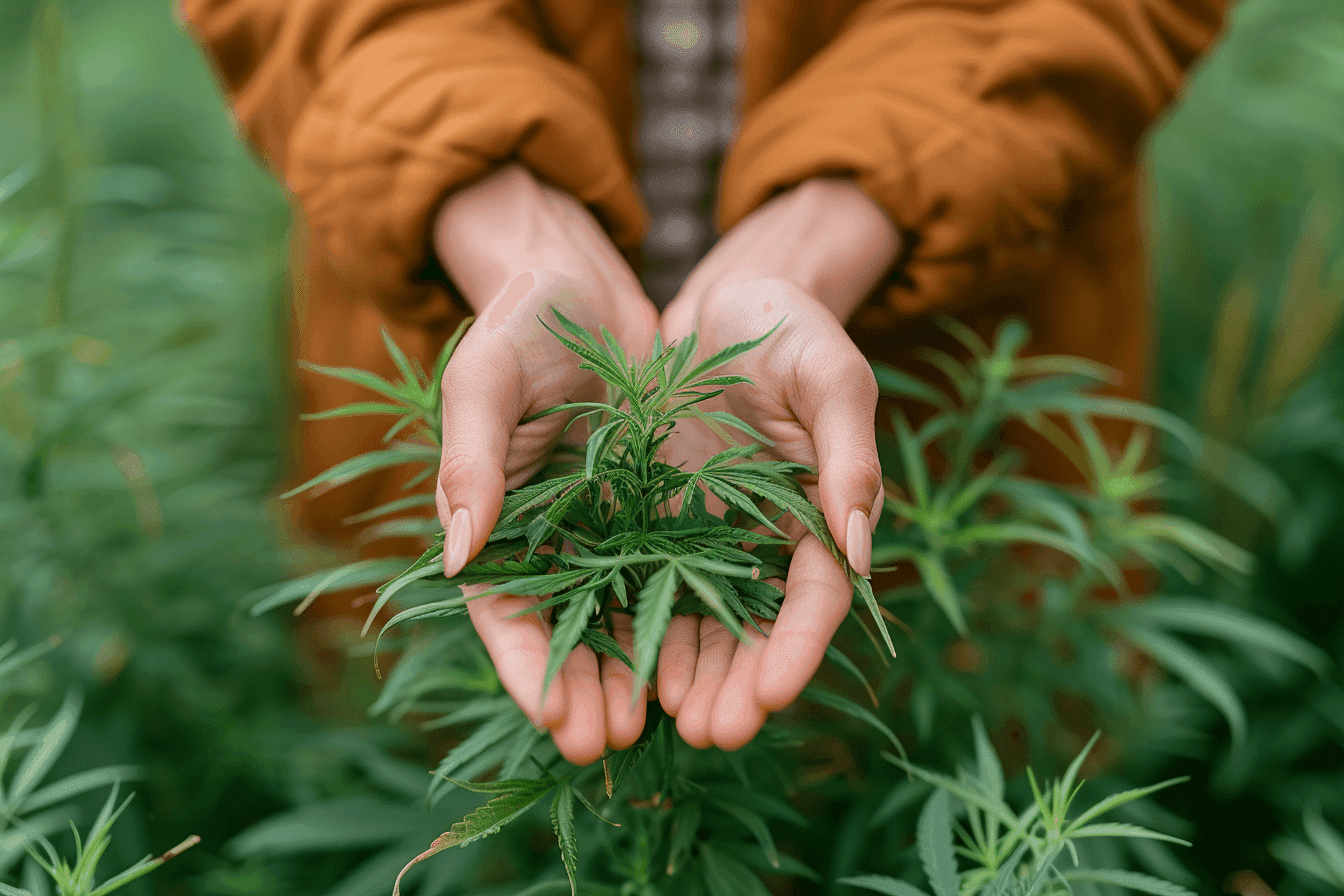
column 493, row 231
column 826, row 236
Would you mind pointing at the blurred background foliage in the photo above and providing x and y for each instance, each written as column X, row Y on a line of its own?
column 143, row 379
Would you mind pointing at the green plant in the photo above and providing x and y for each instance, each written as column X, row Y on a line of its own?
column 131, row 527
column 964, row 517
column 1318, row 860
column 78, row 879
column 614, row 540
column 1016, row 852
column 31, row 810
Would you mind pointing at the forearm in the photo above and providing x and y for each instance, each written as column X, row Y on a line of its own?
column 509, row 238
column 509, row 224
column 826, row 236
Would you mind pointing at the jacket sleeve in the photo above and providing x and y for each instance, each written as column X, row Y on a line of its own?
column 979, row 125
column 373, row 111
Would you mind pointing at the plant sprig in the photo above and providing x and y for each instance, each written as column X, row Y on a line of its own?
column 615, row 529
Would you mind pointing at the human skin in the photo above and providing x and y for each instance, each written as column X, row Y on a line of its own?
column 803, row 261
column 517, row 248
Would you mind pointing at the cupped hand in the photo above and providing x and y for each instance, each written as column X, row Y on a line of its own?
column 802, row 263
column 518, row 250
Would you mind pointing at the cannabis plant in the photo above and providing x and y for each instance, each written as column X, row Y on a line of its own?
column 961, row 508
column 617, row 530
column 33, row 809
column 971, row 841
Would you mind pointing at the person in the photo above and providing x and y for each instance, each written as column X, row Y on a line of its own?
column 892, row 159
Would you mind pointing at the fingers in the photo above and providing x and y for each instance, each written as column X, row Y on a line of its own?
column 717, row 646
column 837, row 404
column 737, row 714
column 519, row 648
column 582, row 736
column 582, row 719
column 676, row 662
column 817, row 597
column 625, row 711
column 481, row 407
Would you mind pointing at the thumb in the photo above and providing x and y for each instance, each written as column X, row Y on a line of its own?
column 481, row 407
column 839, row 407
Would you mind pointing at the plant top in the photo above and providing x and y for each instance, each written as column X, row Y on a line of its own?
column 613, row 528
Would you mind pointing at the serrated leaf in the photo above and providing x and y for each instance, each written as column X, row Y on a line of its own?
column 306, row 589
column 355, row 467
column 370, row 381
column 617, row 766
column 410, row 502
column 756, row 825
column 966, row 794
column 1002, row 883
column 888, row 886
column 898, row 383
column 853, row 710
column 486, row 820
column 685, row 825
column 726, row 876
column 446, row 355
column 569, row 626
column 507, row 723
column 39, row 760
column 1204, row 617
column 562, row 821
column 1189, row 666
column 835, row 655
column 933, row 837
column 399, row 358
column 653, row 612
column 1123, row 830
column 709, row 590
column 987, row 760
column 604, row 644
column 1071, row 773
column 358, row 409
column 938, row 581
column 1129, row 880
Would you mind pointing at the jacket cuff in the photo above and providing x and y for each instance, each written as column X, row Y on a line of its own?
column 976, row 200
column 381, row 145
column 982, row 152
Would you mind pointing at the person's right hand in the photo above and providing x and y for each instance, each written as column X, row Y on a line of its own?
column 518, row 249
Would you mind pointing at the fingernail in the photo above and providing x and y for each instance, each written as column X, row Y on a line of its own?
column 458, row 542
column 441, row 506
column 876, row 513
column 858, row 542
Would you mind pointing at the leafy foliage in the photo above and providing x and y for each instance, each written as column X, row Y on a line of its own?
column 31, row 808
column 140, row 259
column 622, row 531
column 1023, row 853
column 606, row 521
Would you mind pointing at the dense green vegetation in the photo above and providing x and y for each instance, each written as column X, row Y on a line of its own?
column 142, row 380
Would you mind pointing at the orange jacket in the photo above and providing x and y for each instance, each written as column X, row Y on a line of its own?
column 1000, row 135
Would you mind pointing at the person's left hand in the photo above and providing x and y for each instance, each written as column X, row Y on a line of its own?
column 806, row 259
